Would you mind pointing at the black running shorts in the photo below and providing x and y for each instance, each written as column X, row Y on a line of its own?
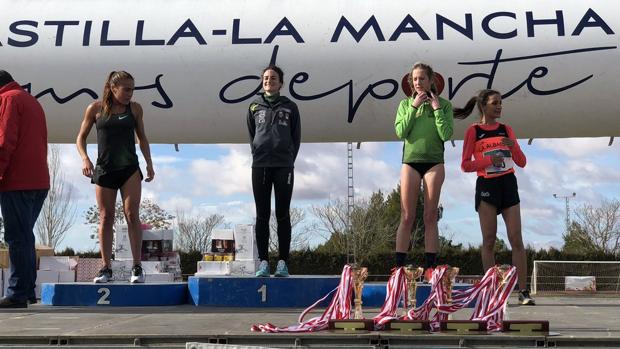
column 114, row 179
column 501, row 192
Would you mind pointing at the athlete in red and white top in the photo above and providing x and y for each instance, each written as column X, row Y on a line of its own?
column 491, row 149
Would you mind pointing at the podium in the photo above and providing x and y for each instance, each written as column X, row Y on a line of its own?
column 297, row 291
column 114, row 294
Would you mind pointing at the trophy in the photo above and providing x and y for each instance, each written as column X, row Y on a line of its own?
column 412, row 274
column 359, row 274
column 502, row 271
column 357, row 323
column 448, row 282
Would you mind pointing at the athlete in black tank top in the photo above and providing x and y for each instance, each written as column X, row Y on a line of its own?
column 116, row 141
column 118, row 121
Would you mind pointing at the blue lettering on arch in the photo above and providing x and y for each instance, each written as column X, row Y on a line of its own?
column 187, row 30
column 140, row 41
column 597, row 22
column 285, row 27
column 467, row 30
column 238, row 40
column 60, row 29
column 486, row 25
column 105, row 28
column 409, row 25
column 531, row 22
column 15, row 29
column 357, row 35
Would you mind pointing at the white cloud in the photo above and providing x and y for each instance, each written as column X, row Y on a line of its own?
column 228, row 175
column 577, row 147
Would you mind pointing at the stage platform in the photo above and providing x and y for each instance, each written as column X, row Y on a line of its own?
column 216, row 291
column 576, row 321
column 120, row 293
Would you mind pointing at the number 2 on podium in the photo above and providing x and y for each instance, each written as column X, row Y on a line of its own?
column 263, row 291
column 105, row 293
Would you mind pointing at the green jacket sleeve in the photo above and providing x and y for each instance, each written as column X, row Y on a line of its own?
column 444, row 120
column 404, row 119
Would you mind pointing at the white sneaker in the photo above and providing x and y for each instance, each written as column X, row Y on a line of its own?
column 104, row 276
column 137, row 275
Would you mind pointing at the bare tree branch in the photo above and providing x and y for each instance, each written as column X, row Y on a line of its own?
column 299, row 234
column 194, row 232
column 59, row 211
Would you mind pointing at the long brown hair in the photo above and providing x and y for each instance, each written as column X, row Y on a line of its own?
column 479, row 101
column 113, row 79
column 429, row 72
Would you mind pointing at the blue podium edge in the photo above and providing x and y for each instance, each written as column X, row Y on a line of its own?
column 114, row 294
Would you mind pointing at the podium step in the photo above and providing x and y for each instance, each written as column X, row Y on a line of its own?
column 373, row 294
column 114, row 294
column 230, row 291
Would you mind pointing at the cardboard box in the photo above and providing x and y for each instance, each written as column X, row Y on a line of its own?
column 159, row 277
column 121, row 269
column 213, row 268
column 245, row 243
column 223, row 241
column 40, row 250
column 244, row 268
column 153, row 267
column 4, row 258
column 45, row 276
column 580, row 283
column 43, row 250
column 66, row 276
column 55, row 263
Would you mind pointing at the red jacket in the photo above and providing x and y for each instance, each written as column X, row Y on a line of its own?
column 23, row 141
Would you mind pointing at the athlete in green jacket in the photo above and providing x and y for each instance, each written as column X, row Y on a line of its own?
column 424, row 122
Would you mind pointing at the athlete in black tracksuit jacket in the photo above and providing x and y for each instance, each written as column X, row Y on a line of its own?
column 275, row 135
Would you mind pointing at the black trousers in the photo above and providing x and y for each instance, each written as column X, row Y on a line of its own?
column 281, row 179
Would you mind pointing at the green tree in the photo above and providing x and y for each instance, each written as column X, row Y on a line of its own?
column 150, row 213
column 574, row 240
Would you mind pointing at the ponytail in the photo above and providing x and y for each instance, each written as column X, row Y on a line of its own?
column 462, row 113
column 478, row 101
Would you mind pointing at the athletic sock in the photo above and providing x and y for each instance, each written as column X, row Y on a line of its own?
column 430, row 260
column 400, row 259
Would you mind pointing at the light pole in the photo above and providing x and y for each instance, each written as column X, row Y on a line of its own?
column 567, row 203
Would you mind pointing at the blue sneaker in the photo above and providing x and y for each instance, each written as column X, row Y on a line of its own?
column 281, row 270
column 263, row 270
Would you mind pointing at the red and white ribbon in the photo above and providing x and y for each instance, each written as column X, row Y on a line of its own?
column 437, row 297
column 338, row 309
column 491, row 296
column 395, row 294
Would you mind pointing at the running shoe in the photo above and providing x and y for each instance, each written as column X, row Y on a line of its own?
column 525, row 298
column 137, row 275
column 263, row 270
column 281, row 270
column 104, row 275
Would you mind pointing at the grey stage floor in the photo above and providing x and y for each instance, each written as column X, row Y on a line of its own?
column 574, row 321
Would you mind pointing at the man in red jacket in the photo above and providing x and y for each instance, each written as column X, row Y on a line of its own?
column 24, row 182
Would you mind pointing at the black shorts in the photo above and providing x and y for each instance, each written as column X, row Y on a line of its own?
column 501, row 192
column 422, row 167
column 115, row 179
